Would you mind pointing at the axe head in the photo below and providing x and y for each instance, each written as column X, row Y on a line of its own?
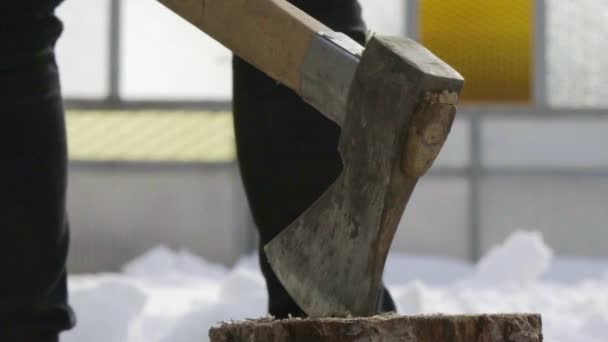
column 401, row 105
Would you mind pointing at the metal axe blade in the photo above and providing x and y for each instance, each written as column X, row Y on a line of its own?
column 400, row 108
column 395, row 102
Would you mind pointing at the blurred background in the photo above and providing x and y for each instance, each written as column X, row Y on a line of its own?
column 152, row 151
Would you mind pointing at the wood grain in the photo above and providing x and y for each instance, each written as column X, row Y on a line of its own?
column 387, row 328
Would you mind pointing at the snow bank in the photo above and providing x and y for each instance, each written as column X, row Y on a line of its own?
column 162, row 262
column 175, row 296
column 107, row 306
column 512, row 278
column 521, row 260
column 242, row 296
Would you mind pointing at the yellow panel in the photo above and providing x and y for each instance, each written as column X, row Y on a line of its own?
column 488, row 41
column 150, row 136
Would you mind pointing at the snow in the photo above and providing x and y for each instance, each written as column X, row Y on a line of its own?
column 520, row 261
column 167, row 295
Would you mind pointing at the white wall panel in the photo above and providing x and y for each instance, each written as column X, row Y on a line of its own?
column 164, row 57
column 83, row 49
column 455, row 152
column 576, row 43
column 571, row 213
column 436, row 221
column 564, row 142
column 386, row 17
column 119, row 213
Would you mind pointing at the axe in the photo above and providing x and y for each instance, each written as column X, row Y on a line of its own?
column 395, row 102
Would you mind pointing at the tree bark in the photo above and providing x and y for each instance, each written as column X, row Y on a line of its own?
column 386, row 328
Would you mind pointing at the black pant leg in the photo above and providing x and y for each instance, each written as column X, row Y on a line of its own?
column 33, row 224
column 287, row 150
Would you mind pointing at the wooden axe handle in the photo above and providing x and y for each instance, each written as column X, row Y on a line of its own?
column 273, row 35
column 287, row 44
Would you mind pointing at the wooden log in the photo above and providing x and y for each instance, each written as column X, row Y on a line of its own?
column 386, row 328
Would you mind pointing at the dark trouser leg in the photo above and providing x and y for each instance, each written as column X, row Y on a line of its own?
column 34, row 244
column 287, row 151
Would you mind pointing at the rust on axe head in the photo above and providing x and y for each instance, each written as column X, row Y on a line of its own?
column 401, row 105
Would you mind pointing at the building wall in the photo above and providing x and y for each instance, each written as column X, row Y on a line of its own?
column 541, row 167
column 118, row 212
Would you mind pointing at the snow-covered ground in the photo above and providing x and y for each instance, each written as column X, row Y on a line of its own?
column 168, row 296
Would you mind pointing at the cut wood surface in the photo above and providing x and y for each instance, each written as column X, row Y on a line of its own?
column 386, row 328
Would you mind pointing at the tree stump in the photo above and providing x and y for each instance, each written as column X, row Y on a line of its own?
column 386, row 328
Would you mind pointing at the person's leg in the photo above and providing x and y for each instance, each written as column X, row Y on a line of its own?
column 287, row 151
column 33, row 223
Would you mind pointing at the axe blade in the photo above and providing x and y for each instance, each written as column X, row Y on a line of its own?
column 401, row 105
